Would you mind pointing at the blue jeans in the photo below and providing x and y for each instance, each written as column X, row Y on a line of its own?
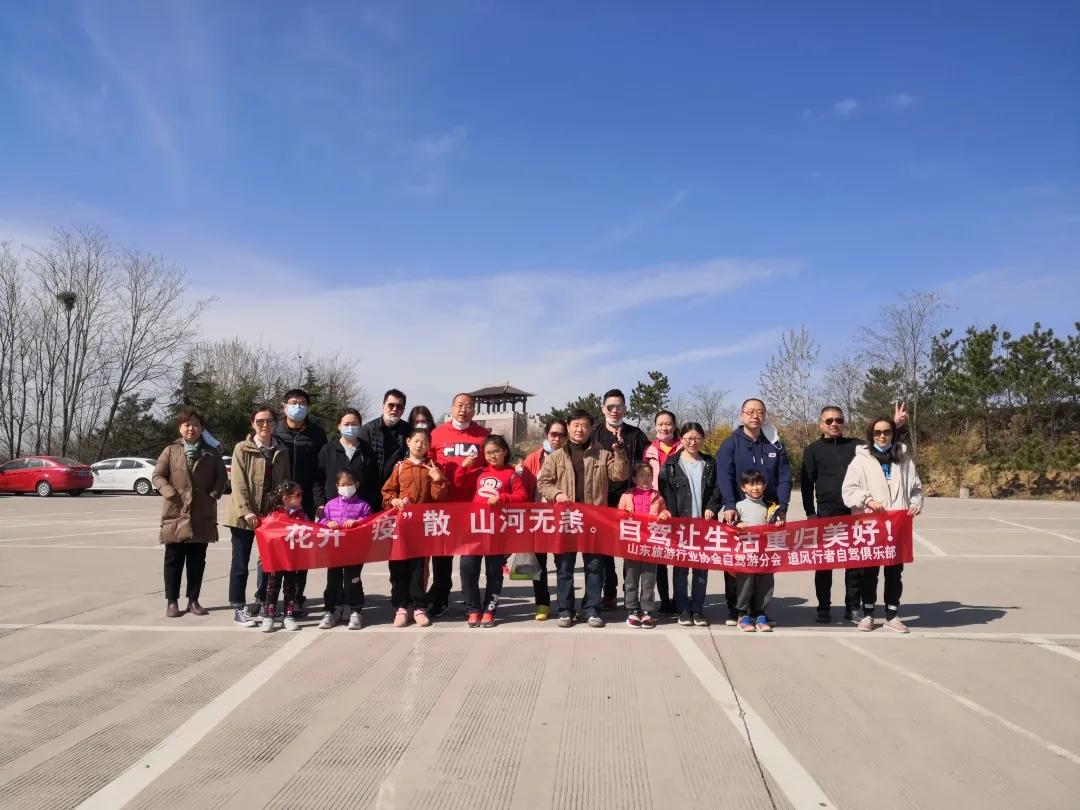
column 242, row 541
column 594, row 583
column 700, row 578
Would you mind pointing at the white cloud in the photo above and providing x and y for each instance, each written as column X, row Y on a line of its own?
column 429, row 158
column 558, row 334
column 632, row 228
column 901, row 101
column 845, row 106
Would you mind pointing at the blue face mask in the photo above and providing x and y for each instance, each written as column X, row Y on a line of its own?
column 884, row 448
column 296, row 412
column 350, row 431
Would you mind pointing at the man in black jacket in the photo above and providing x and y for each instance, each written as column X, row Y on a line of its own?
column 610, row 430
column 303, row 439
column 385, row 435
column 824, row 465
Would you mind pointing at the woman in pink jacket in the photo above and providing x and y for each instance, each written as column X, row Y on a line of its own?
column 639, row 578
column 664, row 446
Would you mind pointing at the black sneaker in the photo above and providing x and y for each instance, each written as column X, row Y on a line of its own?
column 847, row 615
column 298, row 609
column 436, row 609
column 685, row 619
column 666, row 608
column 700, row 620
column 824, row 616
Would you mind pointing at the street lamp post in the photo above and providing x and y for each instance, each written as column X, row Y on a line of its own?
column 67, row 300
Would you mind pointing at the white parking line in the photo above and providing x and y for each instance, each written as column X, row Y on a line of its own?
column 794, row 780
column 143, row 529
column 1047, row 644
column 1037, row 529
column 922, row 541
column 172, row 749
column 1054, row 748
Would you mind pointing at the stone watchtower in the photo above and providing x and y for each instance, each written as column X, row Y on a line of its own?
column 497, row 410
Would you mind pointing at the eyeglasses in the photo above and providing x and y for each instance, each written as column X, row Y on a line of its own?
column 692, row 438
column 261, row 422
column 612, row 408
column 833, row 420
column 755, row 412
column 556, row 434
column 396, row 406
column 883, row 432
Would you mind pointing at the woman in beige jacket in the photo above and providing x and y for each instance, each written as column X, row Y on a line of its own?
column 259, row 464
column 881, row 478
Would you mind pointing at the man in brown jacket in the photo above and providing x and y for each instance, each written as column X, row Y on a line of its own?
column 581, row 472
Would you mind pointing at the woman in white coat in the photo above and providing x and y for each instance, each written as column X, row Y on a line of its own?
column 881, row 478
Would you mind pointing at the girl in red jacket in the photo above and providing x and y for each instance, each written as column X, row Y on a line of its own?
column 497, row 483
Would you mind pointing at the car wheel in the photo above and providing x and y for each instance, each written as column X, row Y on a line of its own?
column 75, row 493
column 44, row 489
column 95, row 492
column 142, row 487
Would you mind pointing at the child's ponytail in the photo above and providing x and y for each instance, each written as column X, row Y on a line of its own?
column 281, row 492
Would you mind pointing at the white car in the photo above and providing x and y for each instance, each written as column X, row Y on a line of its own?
column 124, row 475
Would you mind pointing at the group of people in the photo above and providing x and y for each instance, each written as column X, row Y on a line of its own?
column 393, row 461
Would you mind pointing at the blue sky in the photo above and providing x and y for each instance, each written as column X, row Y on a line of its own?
column 559, row 194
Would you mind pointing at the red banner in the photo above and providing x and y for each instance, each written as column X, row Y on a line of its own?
column 454, row 529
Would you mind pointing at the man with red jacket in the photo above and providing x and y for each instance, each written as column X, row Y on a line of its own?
column 456, row 446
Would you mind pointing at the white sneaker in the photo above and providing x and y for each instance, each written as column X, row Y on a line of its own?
column 355, row 620
column 329, row 619
column 268, row 624
column 291, row 623
column 896, row 625
column 866, row 623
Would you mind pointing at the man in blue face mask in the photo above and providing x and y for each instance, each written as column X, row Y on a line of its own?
column 303, row 439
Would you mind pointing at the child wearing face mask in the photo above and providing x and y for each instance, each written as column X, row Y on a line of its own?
column 288, row 499
column 344, row 512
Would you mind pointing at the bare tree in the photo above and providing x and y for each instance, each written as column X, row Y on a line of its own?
column 902, row 338
column 77, row 271
column 151, row 328
column 707, row 406
column 15, row 353
column 842, row 383
column 786, row 383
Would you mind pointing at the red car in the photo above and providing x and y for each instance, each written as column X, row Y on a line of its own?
column 45, row 475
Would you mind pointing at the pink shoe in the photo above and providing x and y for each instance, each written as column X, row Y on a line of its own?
column 421, row 618
column 401, row 618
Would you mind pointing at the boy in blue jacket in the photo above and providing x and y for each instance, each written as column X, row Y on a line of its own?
column 747, row 448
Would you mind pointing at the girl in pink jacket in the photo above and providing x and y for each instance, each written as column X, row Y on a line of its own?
column 639, row 578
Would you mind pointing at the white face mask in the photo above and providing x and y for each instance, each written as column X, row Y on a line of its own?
column 614, row 422
column 459, row 425
column 391, row 419
column 346, row 492
column 421, row 426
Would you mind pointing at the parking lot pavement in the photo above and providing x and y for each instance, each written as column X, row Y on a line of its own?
column 105, row 703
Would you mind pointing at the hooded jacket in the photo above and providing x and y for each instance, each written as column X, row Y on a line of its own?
column 341, row 509
column 656, row 502
column 739, row 453
column 865, row 479
column 248, row 475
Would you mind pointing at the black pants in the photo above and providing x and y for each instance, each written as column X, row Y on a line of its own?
column 823, row 588
column 540, row 586
column 594, row 583
column 611, row 579
column 442, row 573
column 260, row 583
column 731, row 592
column 242, row 542
column 469, row 572
column 407, row 583
column 344, row 587
column 177, row 557
column 867, row 579
column 662, row 588
column 276, row 583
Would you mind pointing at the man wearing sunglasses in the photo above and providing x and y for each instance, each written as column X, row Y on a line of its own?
column 613, row 432
column 824, row 465
column 385, row 435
